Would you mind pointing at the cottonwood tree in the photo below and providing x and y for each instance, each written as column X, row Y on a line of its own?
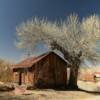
column 74, row 39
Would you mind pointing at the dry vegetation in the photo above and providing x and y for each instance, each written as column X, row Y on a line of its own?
column 5, row 71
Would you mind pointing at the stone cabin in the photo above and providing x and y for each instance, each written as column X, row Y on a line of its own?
column 48, row 70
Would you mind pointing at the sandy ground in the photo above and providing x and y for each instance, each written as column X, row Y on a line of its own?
column 50, row 95
column 93, row 98
column 89, row 86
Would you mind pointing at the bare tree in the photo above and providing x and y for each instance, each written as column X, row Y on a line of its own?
column 76, row 40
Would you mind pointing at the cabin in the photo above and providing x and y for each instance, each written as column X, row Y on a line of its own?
column 48, row 70
column 97, row 76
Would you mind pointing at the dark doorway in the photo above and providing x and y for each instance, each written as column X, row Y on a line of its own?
column 20, row 78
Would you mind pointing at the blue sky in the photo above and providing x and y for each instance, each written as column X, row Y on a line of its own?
column 14, row 12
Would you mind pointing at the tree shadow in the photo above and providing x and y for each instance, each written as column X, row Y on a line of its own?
column 77, row 89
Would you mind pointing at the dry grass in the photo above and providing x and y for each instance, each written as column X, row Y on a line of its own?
column 48, row 94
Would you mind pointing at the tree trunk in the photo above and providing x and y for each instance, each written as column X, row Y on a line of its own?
column 73, row 77
column 74, row 73
column 74, row 61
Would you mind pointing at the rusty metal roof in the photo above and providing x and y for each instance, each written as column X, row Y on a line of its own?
column 28, row 62
column 32, row 60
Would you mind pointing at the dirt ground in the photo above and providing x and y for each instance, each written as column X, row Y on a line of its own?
column 20, row 93
column 50, row 94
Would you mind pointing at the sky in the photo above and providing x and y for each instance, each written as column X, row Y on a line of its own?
column 14, row 12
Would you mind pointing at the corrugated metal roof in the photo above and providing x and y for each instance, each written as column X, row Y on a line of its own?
column 32, row 60
column 28, row 62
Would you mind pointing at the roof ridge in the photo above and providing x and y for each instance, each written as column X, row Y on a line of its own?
column 32, row 60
